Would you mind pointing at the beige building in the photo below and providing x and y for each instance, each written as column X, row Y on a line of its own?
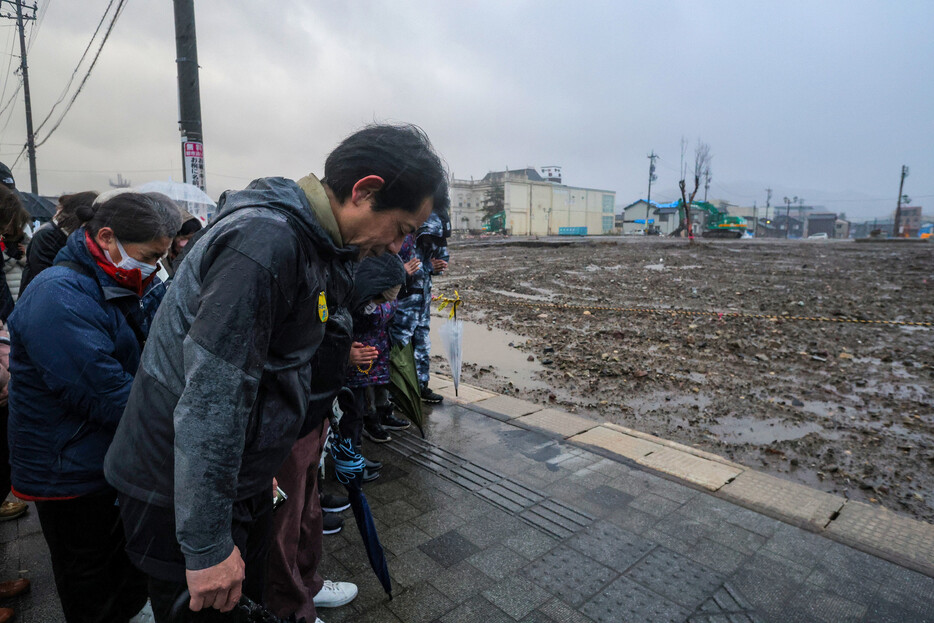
column 533, row 205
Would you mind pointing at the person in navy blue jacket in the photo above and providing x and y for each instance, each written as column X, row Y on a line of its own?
column 76, row 338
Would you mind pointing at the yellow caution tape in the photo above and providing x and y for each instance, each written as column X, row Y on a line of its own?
column 445, row 301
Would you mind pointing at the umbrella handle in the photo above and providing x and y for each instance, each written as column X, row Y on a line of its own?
column 253, row 611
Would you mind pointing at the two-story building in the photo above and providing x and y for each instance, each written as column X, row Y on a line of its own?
column 534, row 205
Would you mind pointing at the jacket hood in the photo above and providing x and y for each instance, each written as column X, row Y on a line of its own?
column 434, row 226
column 285, row 196
column 375, row 275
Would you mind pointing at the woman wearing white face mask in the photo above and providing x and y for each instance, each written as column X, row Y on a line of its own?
column 76, row 335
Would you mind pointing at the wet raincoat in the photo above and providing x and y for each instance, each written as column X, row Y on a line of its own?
column 223, row 389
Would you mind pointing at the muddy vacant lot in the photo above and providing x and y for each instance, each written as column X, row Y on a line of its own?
column 845, row 407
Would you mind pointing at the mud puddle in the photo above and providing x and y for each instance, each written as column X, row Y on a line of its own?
column 757, row 431
column 491, row 350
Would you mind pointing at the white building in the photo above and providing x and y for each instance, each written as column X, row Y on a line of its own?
column 533, row 205
column 663, row 218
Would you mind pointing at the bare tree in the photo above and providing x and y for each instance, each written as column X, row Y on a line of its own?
column 702, row 159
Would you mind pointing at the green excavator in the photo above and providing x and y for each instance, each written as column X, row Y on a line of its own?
column 717, row 224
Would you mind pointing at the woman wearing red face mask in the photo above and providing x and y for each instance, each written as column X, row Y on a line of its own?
column 76, row 335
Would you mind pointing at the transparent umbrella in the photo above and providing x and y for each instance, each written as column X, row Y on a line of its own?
column 452, row 336
column 188, row 196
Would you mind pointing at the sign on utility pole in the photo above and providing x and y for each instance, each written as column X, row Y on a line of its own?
column 189, row 93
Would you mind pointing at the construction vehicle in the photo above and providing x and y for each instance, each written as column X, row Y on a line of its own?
column 717, row 224
column 495, row 223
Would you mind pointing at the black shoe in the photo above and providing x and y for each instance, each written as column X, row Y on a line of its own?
column 374, row 432
column 334, row 503
column 373, row 466
column 430, row 397
column 391, row 422
column 332, row 523
column 370, row 475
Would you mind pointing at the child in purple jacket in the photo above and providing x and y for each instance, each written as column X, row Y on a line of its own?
column 376, row 284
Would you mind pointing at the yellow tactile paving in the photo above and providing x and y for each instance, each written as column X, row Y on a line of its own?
column 436, row 382
column 508, row 406
column 789, row 500
column 465, row 394
column 674, row 445
column 885, row 531
column 617, row 442
column 708, row 474
column 552, row 420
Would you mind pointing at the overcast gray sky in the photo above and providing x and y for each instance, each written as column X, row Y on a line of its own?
column 823, row 100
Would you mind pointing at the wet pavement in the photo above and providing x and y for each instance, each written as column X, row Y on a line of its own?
column 484, row 521
column 23, row 553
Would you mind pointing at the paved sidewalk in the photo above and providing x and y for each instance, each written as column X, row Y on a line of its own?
column 486, row 521
column 498, row 517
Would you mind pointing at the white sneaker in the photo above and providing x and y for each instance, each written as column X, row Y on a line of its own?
column 145, row 615
column 335, row 594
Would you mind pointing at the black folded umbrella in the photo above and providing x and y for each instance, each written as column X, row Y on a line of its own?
column 348, row 468
column 249, row 610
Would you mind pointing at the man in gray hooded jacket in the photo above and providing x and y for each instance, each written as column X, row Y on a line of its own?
column 232, row 372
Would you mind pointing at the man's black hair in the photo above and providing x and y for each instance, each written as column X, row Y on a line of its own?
column 400, row 154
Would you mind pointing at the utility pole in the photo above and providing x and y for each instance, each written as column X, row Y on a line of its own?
column 652, row 178
column 755, row 221
column 21, row 20
column 706, row 182
column 768, row 200
column 801, row 214
column 896, row 227
column 788, row 203
column 189, row 93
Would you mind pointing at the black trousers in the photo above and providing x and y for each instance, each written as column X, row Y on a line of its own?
column 153, row 547
column 368, row 402
column 95, row 580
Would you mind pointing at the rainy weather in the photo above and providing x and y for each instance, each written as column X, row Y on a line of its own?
column 488, row 312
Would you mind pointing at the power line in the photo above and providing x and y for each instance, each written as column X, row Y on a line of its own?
column 7, row 105
column 6, row 83
column 35, row 30
column 6, row 75
column 106, row 170
column 87, row 75
column 74, row 73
